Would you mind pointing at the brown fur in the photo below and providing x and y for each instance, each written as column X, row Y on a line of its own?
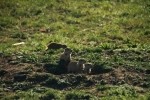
column 76, row 66
column 66, row 55
column 65, row 59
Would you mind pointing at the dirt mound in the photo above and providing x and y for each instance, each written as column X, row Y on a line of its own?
column 28, row 73
column 56, row 46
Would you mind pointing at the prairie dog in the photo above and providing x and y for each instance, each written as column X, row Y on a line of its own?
column 65, row 59
column 87, row 68
column 66, row 55
column 76, row 66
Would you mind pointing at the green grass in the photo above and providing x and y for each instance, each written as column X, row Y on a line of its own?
column 122, row 92
column 106, row 92
column 111, row 33
column 84, row 22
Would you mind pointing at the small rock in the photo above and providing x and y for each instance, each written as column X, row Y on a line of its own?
column 147, row 71
column 13, row 62
column 20, row 77
column 3, row 72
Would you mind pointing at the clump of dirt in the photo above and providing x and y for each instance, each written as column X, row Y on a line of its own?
column 3, row 72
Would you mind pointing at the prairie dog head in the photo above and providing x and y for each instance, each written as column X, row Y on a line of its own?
column 67, row 51
column 66, row 55
column 81, row 62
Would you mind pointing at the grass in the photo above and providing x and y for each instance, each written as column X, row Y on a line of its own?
column 108, row 33
column 106, row 92
column 121, row 92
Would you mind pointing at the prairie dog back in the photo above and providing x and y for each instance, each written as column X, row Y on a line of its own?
column 76, row 66
column 72, row 67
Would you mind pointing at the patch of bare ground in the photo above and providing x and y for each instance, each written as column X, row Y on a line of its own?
column 11, row 69
column 117, row 76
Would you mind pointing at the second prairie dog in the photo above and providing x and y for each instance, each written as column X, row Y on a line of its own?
column 87, row 68
column 76, row 66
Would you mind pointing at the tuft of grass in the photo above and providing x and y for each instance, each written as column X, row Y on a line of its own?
column 77, row 95
column 49, row 95
column 117, row 92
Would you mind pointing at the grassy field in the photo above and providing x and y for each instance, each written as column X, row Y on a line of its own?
column 111, row 34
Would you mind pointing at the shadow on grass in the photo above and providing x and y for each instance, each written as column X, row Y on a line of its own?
column 100, row 69
column 54, row 69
